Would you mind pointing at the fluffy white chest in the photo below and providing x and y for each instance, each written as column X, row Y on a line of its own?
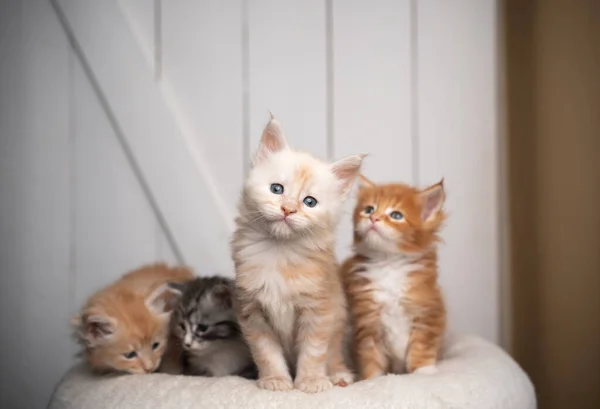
column 389, row 281
column 276, row 295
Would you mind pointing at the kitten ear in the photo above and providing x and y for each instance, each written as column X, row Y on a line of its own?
column 346, row 170
column 363, row 182
column 93, row 329
column 177, row 289
column 223, row 294
column 272, row 140
column 163, row 299
column 432, row 200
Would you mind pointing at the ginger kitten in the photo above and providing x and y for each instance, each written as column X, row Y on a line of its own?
column 291, row 305
column 397, row 309
column 124, row 327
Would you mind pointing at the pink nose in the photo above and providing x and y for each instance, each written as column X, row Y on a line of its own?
column 147, row 365
column 287, row 211
column 374, row 218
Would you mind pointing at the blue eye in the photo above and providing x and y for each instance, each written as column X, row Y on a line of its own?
column 310, row 201
column 369, row 209
column 130, row 355
column 155, row 345
column 277, row 188
column 396, row 215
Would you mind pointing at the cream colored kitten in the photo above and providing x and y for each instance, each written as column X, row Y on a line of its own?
column 292, row 308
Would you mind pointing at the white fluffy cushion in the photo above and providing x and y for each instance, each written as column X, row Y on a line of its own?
column 473, row 374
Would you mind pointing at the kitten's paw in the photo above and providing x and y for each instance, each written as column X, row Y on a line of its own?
column 276, row 383
column 427, row 370
column 313, row 385
column 342, row 379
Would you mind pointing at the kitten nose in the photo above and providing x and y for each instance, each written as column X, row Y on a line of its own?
column 287, row 210
column 147, row 365
column 374, row 218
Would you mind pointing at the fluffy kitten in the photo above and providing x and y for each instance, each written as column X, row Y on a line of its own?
column 208, row 340
column 124, row 327
column 397, row 309
column 292, row 308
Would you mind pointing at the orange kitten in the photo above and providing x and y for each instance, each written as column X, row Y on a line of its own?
column 291, row 305
column 398, row 313
column 124, row 327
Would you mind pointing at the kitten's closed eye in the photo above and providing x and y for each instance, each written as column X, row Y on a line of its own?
column 223, row 330
column 130, row 355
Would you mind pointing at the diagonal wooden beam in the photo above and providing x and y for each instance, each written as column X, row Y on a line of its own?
column 176, row 182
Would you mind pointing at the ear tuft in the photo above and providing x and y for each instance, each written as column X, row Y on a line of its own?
column 346, row 170
column 271, row 141
column 432, row 200
column 163, row 299
column 92, row 329
column 177, row 289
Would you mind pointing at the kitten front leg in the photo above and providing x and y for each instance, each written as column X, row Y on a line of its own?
column 267, row 351
column 314, row 336
column 424, row 345
column 370, row 357
column 369, row 351
column 336, row 366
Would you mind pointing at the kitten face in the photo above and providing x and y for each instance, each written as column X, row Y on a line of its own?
column 204, row 313
column 397, row 218
column 293, row 193
column 125, row 332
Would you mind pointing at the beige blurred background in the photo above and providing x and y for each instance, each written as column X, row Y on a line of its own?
column 552, row 57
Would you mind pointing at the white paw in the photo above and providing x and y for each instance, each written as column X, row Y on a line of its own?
column 342, row 379
column 427, row 370
column 276, row 383
column 313, row 385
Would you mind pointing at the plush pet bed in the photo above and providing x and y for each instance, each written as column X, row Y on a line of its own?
column 473, row 374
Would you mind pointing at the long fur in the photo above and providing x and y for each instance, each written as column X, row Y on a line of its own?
column 132, row 314
column 206, row 338
column 291, row 304
column 397, row 309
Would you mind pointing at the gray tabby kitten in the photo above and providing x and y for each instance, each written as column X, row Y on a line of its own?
column 205, row 327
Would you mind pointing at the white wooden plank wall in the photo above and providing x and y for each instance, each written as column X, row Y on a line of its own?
column 457, row 114
column 131, row 146
column 372, row 85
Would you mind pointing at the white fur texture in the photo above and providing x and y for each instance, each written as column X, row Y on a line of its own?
column 474, row 374
column 388, row 279
column 283, row 167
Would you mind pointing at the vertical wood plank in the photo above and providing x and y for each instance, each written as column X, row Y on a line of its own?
column 202, row 70
column 458, row 141
column 34, row 203
column 287, row 71
column 115, row 226
column 372, row 92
